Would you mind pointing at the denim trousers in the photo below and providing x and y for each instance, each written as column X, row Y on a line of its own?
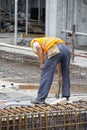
column 49, row 69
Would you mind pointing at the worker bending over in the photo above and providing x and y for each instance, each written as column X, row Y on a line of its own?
column 52, row 53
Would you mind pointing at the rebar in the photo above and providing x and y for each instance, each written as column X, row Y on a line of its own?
column 72, row 116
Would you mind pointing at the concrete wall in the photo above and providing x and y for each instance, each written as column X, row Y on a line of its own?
column 82, row 22
column 62, row 14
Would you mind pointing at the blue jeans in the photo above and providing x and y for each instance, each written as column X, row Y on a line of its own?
column 49, row 69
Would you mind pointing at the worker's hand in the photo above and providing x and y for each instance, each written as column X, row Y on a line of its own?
column 60, row 81
column 41, row 65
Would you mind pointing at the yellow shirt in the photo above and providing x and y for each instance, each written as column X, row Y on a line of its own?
column 47, row 42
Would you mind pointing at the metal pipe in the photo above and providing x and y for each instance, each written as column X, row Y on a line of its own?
column 9, row 9
column 73, row 41
column 76, row 33
column 16, row 9
column 0, row 13
column 67, row 16
column 80, row 55
column 26, row 17
column 74, row 20
column 41, row 5
column 39, row 12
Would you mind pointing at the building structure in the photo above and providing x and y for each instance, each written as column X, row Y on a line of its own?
column 57, row 16
column 62, row 15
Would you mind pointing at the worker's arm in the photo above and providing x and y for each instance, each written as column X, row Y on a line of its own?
column 40, row 56
column 59, row 74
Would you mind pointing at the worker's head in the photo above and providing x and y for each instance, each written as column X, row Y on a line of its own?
column 34, row 45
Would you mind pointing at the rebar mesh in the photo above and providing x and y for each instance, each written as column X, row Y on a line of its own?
column 48, row 117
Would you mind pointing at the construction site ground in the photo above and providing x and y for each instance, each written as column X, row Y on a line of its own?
column 20, row 75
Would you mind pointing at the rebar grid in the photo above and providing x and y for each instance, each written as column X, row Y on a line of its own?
column 72, row 116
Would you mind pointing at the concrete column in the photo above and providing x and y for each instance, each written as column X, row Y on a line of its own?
column 51, row 17
column 55, row 18
column 82, row 23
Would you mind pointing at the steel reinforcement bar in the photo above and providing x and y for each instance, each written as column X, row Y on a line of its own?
column 72, row 116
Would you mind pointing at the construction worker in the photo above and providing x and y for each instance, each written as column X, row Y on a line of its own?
column 52, row 53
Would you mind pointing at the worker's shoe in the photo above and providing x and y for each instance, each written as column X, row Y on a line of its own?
column 38, row 101
column 67, row 98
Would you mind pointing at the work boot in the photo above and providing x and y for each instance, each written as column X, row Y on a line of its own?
column 37, row 101
column 67, row 98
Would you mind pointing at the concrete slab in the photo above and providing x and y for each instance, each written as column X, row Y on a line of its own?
column 11, row 96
